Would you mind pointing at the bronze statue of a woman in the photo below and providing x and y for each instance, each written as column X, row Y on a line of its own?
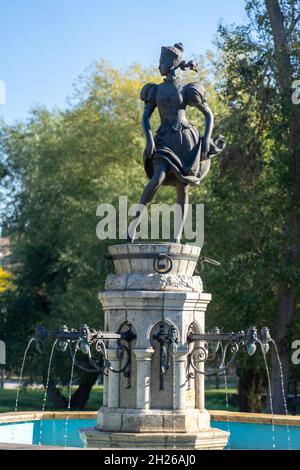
column 177, row 155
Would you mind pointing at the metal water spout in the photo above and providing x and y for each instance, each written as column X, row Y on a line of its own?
column 251, row 339
column 265, row 339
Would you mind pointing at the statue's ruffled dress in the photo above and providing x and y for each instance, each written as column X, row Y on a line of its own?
column 177, row 141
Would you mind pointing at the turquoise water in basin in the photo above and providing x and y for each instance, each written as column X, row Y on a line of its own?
column 243, row 435
column 251, row 436
column 53, row 432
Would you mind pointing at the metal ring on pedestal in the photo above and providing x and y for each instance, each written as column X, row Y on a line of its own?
column 160, row 257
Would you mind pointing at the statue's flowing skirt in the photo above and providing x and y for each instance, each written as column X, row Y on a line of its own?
column 178, row 145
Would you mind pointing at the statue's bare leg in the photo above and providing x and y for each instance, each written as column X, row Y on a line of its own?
column 147, row 195
column 182, row 201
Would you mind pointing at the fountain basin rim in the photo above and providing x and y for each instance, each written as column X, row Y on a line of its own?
column 22, row 416
column 255, row 418
column 13, row 446
column 216, row 415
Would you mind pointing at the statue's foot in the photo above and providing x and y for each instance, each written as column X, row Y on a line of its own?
column 129, row 239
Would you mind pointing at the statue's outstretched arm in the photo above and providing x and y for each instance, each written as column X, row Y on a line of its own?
column 150, row 145
column 209, row 125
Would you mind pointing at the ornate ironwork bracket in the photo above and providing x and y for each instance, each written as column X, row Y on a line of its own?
column 214, row 342
column 168, row 342
column 92, row 342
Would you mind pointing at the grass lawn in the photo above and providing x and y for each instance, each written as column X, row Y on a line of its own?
column 31, row 400
column 215, row 399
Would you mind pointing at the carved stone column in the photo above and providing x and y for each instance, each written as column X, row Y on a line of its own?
column 143, row 377
column 180, row 378
column 105, row 390
column 113, row 381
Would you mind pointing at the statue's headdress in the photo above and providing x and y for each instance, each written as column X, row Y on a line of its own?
column 175, row 54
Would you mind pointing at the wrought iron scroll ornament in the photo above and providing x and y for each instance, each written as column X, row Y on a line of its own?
column 92, row 343
column 207, row 348
column 208, row 345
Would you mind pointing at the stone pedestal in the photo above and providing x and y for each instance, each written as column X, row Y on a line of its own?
column 145, row 415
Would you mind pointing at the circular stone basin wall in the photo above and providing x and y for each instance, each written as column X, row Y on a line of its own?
column 248, row 430
column 163, row 258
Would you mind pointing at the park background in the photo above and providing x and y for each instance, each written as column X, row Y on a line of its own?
column 71, row 139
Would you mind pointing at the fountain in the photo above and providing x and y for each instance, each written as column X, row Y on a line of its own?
column 153, row 350
column 154, row 346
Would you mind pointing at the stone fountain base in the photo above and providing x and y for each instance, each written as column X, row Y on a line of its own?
column 153, row 421
column 208, row 439
column 155, row 405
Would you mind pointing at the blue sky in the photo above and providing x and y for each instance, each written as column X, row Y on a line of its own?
column 46, row 44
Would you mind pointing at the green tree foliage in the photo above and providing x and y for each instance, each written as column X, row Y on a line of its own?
column 256, row 193
column 59, row 166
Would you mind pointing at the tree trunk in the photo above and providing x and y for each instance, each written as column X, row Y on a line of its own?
column 58, row 400
column 283, row 61
column 286, row 291
column 82, row 394
column 79, row 397
column 250, row 390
